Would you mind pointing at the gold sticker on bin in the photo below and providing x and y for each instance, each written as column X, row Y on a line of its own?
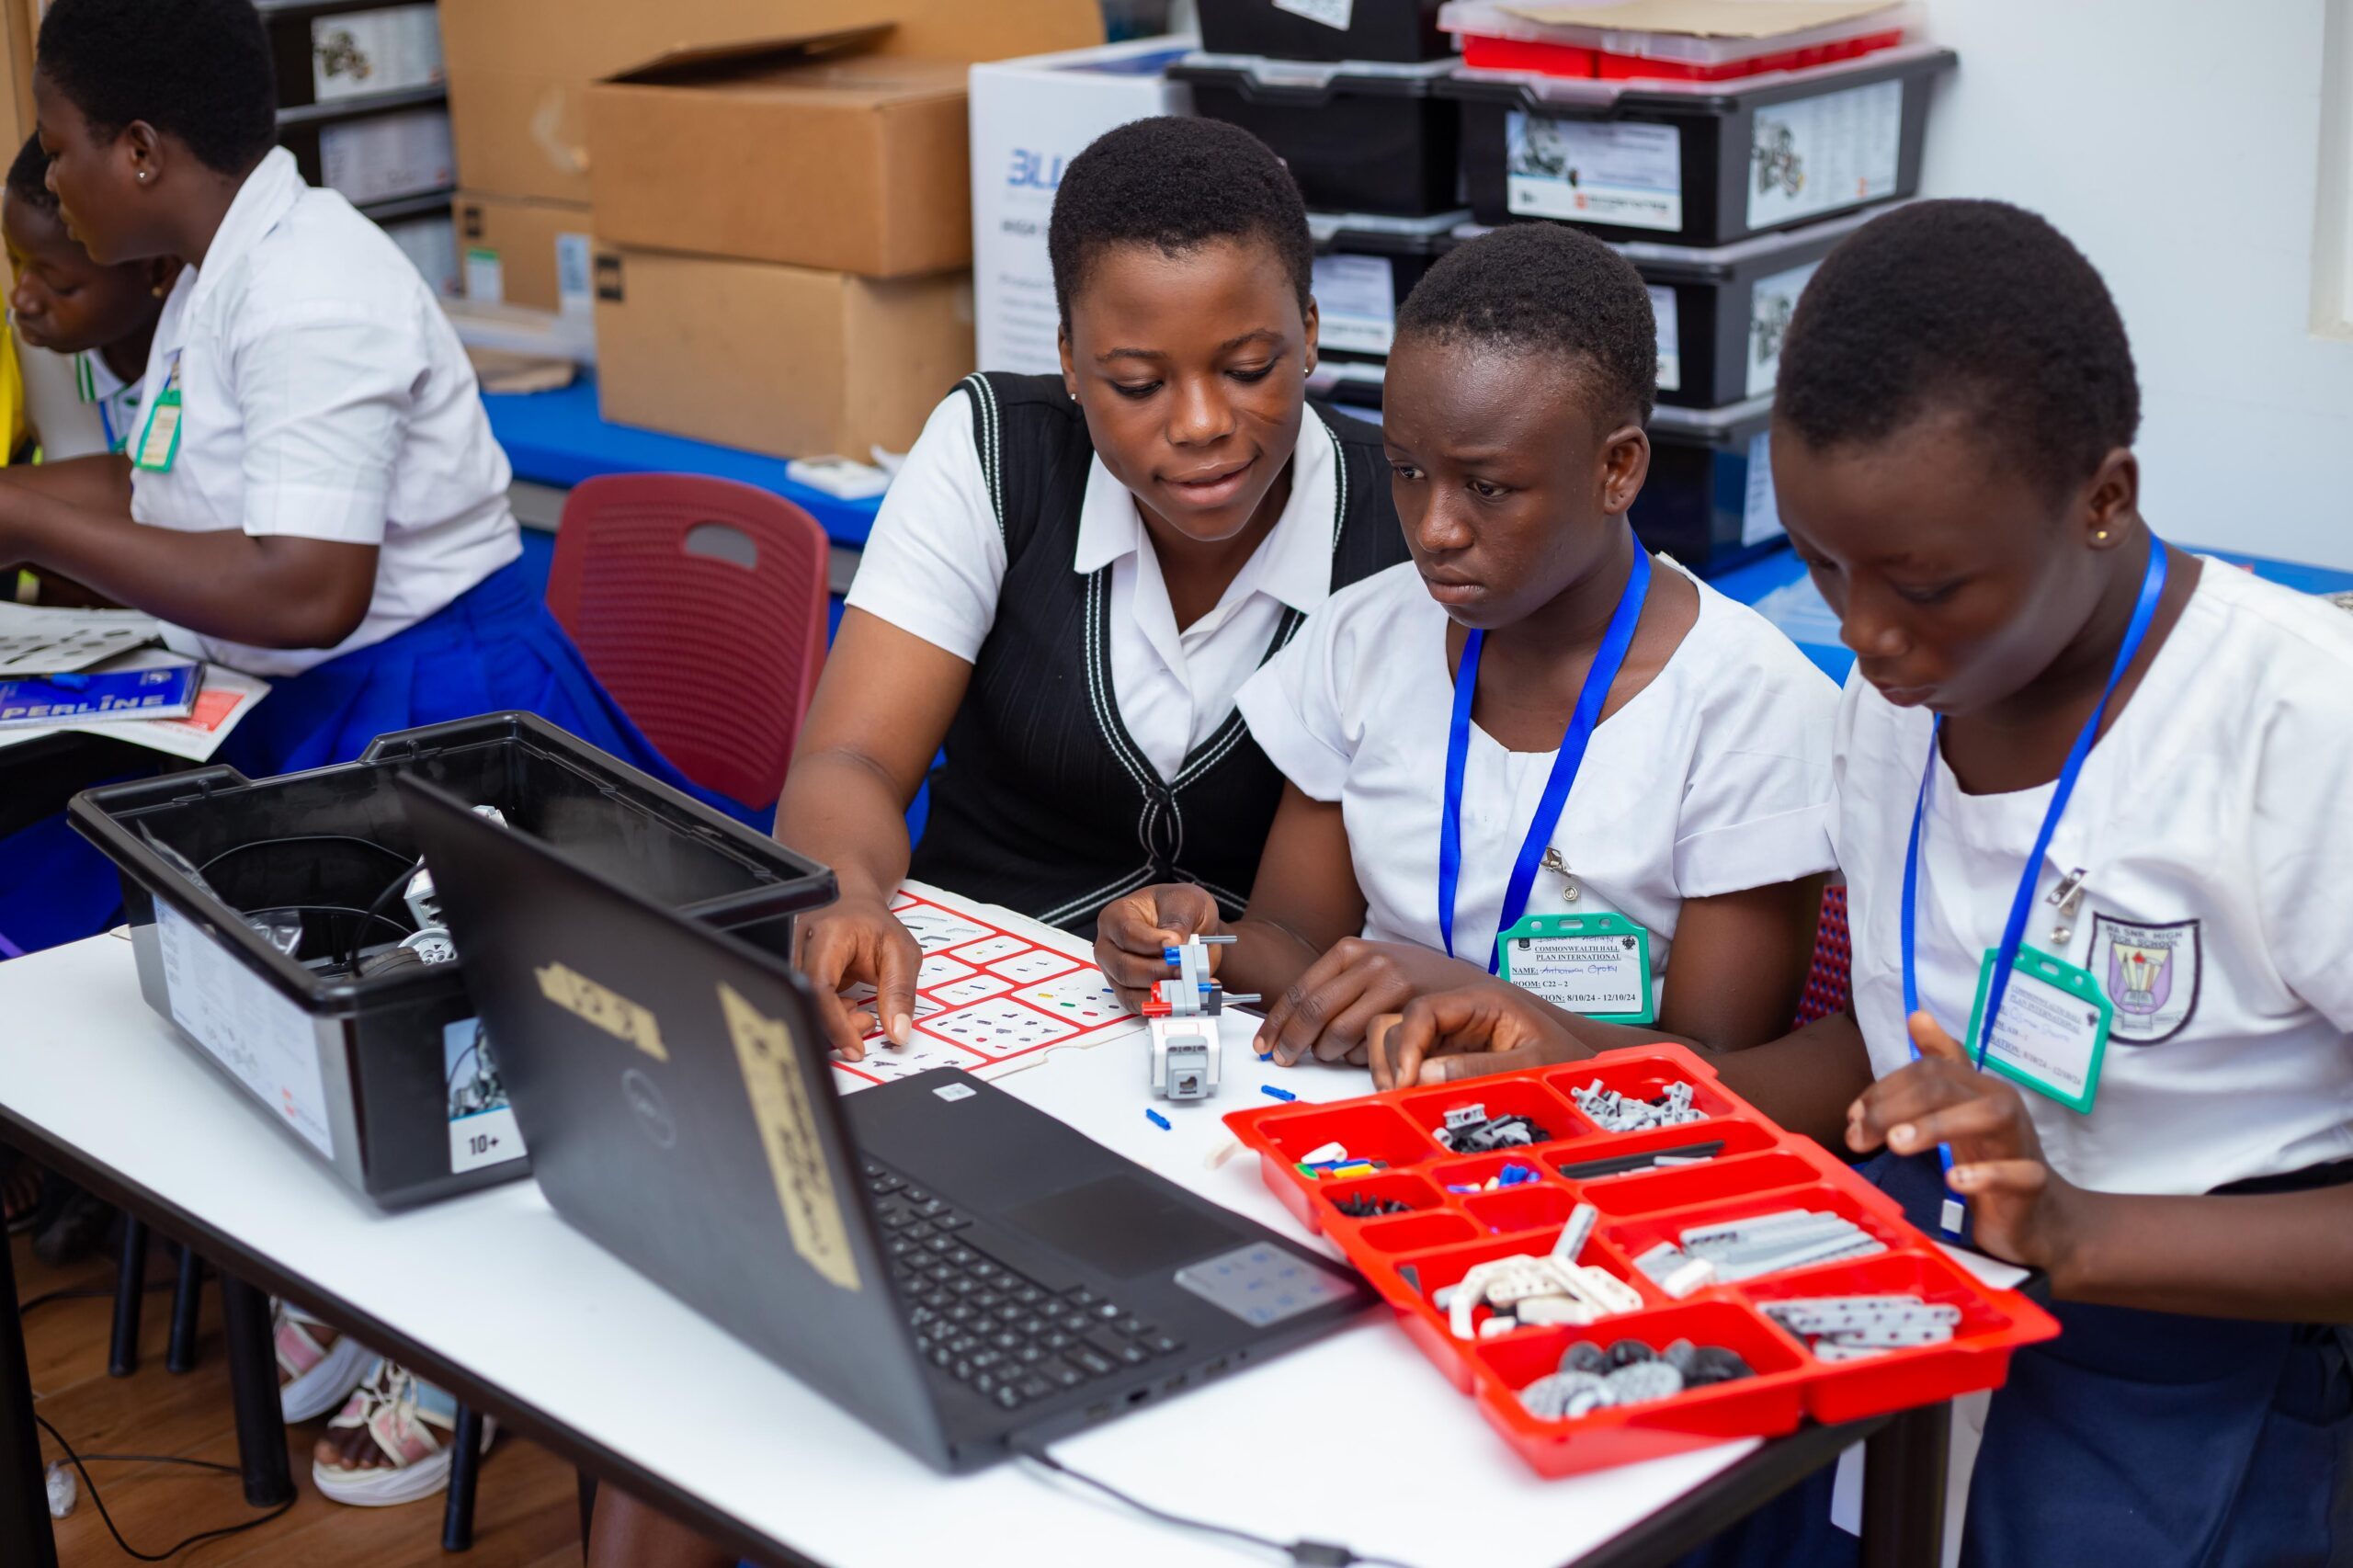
column 607, row 1010
column 813, row 1210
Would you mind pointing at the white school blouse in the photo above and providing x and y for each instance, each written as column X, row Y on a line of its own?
column 74, row 402
column 325, row 396
column 1714, row 778
column 935, row 564
column 2214, row 827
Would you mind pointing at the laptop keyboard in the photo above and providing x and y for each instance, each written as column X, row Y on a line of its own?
column 1004, row 1336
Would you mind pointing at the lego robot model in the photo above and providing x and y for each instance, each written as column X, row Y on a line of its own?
column 1182, row 1013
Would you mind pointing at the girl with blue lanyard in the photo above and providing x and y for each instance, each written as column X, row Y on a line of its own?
column 2092, row 817
column 313, row 493
column 1531, row 750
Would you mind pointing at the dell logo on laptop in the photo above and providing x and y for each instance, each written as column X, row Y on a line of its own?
column 653, row 1110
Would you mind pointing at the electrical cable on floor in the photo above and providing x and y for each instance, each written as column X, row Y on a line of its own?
column 84, row 1292
column 1307, row 1553
column 99, row 1503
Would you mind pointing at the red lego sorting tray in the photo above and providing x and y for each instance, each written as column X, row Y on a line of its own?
column 1436, row 1219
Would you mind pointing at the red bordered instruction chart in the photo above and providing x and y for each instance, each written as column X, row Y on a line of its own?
column 996, row 993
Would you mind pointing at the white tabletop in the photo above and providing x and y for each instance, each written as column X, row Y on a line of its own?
column 1355, row 1438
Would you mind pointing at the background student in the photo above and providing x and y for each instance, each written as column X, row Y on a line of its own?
column 1071, row 576
column 2063, row 739
column 83, row 330
column 313, row 493
column 1532, row 717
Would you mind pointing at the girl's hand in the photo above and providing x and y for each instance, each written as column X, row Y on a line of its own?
column 1491, row 1026
column 1132, row 936
column 857, row 940
column 2020, row 1208
column 1328, row 1010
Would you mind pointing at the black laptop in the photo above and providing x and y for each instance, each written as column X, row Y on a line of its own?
column 953, row 1268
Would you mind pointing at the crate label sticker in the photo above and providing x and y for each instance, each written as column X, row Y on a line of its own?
column 361, row 53
column 1670, row 339
column 1770, row 305
column 1356, row 302
column 1002, row 1028
column 766, row 1051
column 1595, row 172
column 576, row 275
column 261, row 1037
column 389, row 156
column 485, row 276
column 1760, row 512
column 1334, row 13
column 1818, row 155
column 482, row 1123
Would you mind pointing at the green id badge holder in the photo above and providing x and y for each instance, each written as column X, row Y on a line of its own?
column 2052, row 1030
column 1596, row 965
column 159, row 437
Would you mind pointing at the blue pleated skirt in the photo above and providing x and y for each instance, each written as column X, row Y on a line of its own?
column 496, row 648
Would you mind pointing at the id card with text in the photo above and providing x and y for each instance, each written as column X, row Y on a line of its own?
column 2052, row 1030
column 1597, row 965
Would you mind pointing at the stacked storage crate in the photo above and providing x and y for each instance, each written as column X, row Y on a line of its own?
column 1721, row 156
column 363, row 108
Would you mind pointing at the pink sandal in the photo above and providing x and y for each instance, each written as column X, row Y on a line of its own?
column 318, row 1378
column 411, row 1423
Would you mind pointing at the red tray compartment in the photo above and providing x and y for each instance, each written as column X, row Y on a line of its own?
column 1766, row 1405
column 1977, row 1357
column 1761, row 1170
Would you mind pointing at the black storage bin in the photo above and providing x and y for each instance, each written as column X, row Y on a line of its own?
column 365, row 1071
column 1695, row 163
column 1700, row 503
column 1365, row 266
column 1358, row 137
column 1723, row 309
column 1304, row 29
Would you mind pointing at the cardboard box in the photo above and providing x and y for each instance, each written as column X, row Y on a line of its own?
column 520, row 70
column 1029, row 118
column 788, row 360
column 536, row 254
column 829, row 155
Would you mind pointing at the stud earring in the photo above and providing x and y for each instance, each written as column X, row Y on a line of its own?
column 142, row 177
column 2099, row 533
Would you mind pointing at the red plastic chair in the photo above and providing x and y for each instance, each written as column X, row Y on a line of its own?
column 700, row 605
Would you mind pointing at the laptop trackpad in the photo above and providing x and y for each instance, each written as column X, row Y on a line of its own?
column 1123, row 1226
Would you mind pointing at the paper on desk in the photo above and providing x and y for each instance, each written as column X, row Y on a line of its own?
column 1701, row 18
column 221, row 704
column 35, row 641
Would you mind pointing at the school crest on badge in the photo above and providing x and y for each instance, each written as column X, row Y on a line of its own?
column 2151, row 974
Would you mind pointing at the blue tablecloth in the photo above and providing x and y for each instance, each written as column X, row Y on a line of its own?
column 558, row 439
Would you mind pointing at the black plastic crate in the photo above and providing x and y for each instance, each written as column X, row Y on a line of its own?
column 372, row 1072
column 1325, row 30
column 1709, row 500
column 1359, row 138
column 1365, row 266
column 1700, row 163
column 1724, row 310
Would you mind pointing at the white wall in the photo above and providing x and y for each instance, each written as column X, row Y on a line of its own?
column 2179, row 144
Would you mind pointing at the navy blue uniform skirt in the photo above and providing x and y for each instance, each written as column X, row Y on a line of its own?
column 497, row 647
column 2137, row 1440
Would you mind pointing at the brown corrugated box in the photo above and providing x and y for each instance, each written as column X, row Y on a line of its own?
column 520, row 70
column 818, row 152
column 788, row 360
column 533, row 253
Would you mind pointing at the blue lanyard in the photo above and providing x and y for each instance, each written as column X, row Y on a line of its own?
column 106, row 422
column 1608, row 660
column 2152, row 587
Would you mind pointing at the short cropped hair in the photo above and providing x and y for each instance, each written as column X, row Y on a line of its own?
column 199, row 70
column 1176, row 183
column 1544, row 289
column 29, row 178
column 1976, row 305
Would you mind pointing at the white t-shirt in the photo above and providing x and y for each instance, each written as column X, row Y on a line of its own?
column 2215, row 822
column 935, row 564
column 325, row 396
column 1714, row 778
column 78, row 407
